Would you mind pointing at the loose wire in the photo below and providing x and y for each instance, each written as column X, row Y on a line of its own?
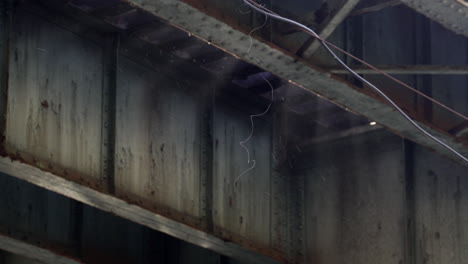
column 250, row 3
column 252, row 124
column 324, row 43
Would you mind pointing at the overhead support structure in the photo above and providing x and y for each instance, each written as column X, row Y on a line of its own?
column 376, row 7
column 327, row 27
column 340, row 135
column 296, row 71
column 452, row 14
column 123, row 209
column 408, row 69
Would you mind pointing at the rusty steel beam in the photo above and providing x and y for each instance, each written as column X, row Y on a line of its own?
column 109, row 203
column 298, row 72
column 21, row 248
column 376, row 7
column 327, row 28
column 407, row 69
column 452, row 14
column 339, row 135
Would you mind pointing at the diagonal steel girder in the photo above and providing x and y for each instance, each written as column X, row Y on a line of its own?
column 452, row 14
column 286, row 66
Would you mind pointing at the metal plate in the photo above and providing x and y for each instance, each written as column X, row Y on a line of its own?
column 243, row 208
column 54, row 99
column 157, row 140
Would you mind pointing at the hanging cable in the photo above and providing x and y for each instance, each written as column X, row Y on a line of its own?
column 367, row 64
column 252, row 124
column 265, row 11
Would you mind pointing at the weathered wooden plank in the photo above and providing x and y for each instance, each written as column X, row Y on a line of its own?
column 121, row 208
column 54, row 100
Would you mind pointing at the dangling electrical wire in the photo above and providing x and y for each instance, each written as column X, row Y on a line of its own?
column 369, row 65
column 254, row 163
column 266, row 12
column 252, row 124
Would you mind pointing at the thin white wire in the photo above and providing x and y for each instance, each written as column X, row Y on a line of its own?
column 252, row 125
column 242, row 143
column 252, row 31
column 254, row 163
column 359, row 77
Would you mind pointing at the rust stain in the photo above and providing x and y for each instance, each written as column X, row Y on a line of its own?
column 45, row 104
column 132, row 199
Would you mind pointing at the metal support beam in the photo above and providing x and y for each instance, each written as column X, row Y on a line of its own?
column 327, row 28
column 33, row 252
column 340, row 135
column 408, row 69
column 109, row 112
column 298, row 72
column 123, row 209
column 376, row 7
column 280, row 174
column 451, row 14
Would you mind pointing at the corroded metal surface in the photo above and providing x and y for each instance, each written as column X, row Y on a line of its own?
column 158, row 140
column 62, row 117
column 452, row 14
column 54, row 97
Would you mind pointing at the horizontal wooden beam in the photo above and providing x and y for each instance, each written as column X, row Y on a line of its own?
column 21, row 248
column 123, row 209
